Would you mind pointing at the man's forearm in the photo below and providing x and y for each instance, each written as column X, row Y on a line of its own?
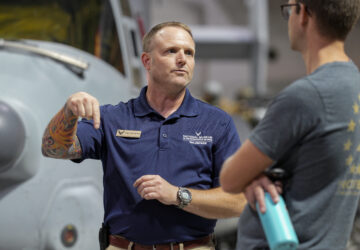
column 216, row 204
column 59, row 139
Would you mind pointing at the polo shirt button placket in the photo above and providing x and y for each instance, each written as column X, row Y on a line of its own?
column 164, row 137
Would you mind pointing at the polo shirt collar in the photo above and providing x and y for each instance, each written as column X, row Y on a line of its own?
column 189, row 106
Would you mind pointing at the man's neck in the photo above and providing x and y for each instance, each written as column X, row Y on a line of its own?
column 318, row 54
column 163, row 102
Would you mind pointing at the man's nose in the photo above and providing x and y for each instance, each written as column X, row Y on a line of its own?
column 180, row 58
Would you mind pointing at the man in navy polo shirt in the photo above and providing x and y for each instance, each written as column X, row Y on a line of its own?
column 161, row 152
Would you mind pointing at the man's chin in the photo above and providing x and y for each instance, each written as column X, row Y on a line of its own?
column 182, row 83
column 180, row 86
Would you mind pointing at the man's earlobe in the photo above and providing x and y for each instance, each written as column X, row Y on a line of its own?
column 145, row 58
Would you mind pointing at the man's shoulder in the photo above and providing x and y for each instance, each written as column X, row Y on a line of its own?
column 299, row 95
column 299, row 89
column 325, row 79
column 111, row 108
column 208, row 109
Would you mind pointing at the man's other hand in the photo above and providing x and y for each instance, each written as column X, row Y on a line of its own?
column 152, row 187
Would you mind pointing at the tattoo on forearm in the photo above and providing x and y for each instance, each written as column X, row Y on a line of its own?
column 59, row 140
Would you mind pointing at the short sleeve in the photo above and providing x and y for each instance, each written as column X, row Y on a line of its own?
column 290, row 119
column 227, row 144
column 91, row 139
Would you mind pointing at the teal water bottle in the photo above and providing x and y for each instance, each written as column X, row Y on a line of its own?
column 279, row 231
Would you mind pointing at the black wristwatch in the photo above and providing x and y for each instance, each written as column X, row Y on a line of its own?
column 184, row 197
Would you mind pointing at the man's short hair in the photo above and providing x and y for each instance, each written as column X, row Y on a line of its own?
column 334, row 18
column 146, row 43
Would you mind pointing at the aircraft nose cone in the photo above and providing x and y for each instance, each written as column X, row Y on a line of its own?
column 12, row 136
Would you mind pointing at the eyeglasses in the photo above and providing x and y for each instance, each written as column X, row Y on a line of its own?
column 286, row 10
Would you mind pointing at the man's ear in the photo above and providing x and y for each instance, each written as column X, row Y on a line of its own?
column 145, row 58
column 304, row 15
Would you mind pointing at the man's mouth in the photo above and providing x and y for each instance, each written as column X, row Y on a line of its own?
column 179, row 71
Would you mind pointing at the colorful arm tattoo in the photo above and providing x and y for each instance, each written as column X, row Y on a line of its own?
column 59, row 139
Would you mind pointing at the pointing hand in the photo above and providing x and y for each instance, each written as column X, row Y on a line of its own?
column 84, row 105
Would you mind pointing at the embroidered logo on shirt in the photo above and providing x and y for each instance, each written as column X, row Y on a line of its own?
column 198, row 139
column 128, row 133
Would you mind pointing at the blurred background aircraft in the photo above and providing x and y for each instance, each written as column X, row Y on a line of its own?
column 52, row 48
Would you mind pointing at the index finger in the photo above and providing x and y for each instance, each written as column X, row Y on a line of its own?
column 270, row 187
column 260, row 199
column 96, row 115
column 142, row 179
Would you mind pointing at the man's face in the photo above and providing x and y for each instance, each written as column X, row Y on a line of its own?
column 171, row 58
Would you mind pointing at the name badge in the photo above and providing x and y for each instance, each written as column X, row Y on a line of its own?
column 128, row 133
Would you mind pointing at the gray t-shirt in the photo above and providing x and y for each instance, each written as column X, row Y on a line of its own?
column 312, row 130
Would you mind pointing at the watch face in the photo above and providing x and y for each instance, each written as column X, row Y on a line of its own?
column 185, row 195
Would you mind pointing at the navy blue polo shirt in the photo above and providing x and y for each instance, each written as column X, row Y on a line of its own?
column 187, row 149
